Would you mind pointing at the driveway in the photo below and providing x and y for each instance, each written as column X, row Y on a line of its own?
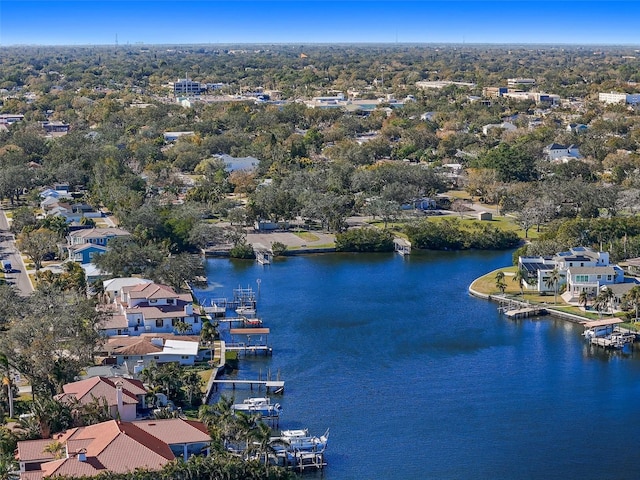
column 8, row 251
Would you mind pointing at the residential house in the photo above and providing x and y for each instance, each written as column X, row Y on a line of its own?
column 173, row 136
column 113, row 287
column 151, row 308
column 114, row 446
column 83, row 244
column 138, row 352
column 506, row 126
column 53, row 205
column 233, row 164
column 10, row 118
column 83, row 254
column 580, row 268
column 55, row 129
column 124, row 396
column 557, row 153
column 577, row 127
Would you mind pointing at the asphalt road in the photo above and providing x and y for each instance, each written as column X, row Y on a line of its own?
column 8, row 251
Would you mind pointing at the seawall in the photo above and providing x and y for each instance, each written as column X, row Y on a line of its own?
column 570, row 317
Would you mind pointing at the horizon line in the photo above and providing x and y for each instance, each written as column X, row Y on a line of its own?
column 302, row 43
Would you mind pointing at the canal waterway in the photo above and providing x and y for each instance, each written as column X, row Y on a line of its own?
column 416, row 379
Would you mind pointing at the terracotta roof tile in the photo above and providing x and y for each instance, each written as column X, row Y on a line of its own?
column 32, row 450
column 152, row 290
column 97, row 387
column 175, row 430
column 117, row 447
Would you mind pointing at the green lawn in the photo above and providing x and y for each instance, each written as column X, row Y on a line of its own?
column 307, row 236
column 205, row 375
column 503, row 223
column 322, row 245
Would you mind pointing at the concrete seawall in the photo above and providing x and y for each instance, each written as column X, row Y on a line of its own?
column 570, row 317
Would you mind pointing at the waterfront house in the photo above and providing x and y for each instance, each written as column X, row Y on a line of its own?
column 125, row 397
column 568, row 264
column 150, row 308
column 113, row 446
column 138, row 352
column 113, row 287
column 590, row 280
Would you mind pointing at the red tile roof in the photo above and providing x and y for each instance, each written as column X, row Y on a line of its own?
column 97, row 387
column 115, row 446
column 151, row 290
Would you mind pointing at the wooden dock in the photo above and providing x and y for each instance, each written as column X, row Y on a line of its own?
column 525, row 312
column 402, row 246
column 277, row 386
column 263, row 254
column 256, row 340
column 613, row 341
column 255, row 349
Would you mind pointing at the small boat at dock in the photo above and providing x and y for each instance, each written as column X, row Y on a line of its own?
column 259, row 405
column 251, row 322
column 298, row 450
column 246, row 311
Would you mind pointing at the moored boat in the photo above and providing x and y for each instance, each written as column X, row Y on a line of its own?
column 259, row 405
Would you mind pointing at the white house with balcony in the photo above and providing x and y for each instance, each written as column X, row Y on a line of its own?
column 579, row 268
column 151, row 308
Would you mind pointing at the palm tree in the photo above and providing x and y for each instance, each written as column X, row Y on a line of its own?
column 500, row 285
column 608, row 295
column 262, row 443
column 633, row 297
column 181, row 327
column 192, row 383
column 9, row 469
column 583, row 298
column 219, row 420
column 552, row 281
column 55, row 448
column 521, row 277
column 245, row 425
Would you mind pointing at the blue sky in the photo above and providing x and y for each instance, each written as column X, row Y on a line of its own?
column 84, row 22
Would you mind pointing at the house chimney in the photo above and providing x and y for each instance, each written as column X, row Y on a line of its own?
column 119, row 399
column 82, row 455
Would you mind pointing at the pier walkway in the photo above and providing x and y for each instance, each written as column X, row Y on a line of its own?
column 276, row 385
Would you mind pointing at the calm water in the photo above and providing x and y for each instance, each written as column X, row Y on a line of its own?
column 418, row 380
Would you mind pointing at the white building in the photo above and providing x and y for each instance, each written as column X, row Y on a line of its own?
column 150, row 308
column 557, row 153
column 512, row 82
column 137, row 353
column 581, row 268
column 615, row 97
column 506, row 126
column 185, row 86
column 439, row 84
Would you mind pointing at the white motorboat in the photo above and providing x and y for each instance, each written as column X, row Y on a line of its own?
column 246, row 311
column 259, row 405
column 300, row 440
